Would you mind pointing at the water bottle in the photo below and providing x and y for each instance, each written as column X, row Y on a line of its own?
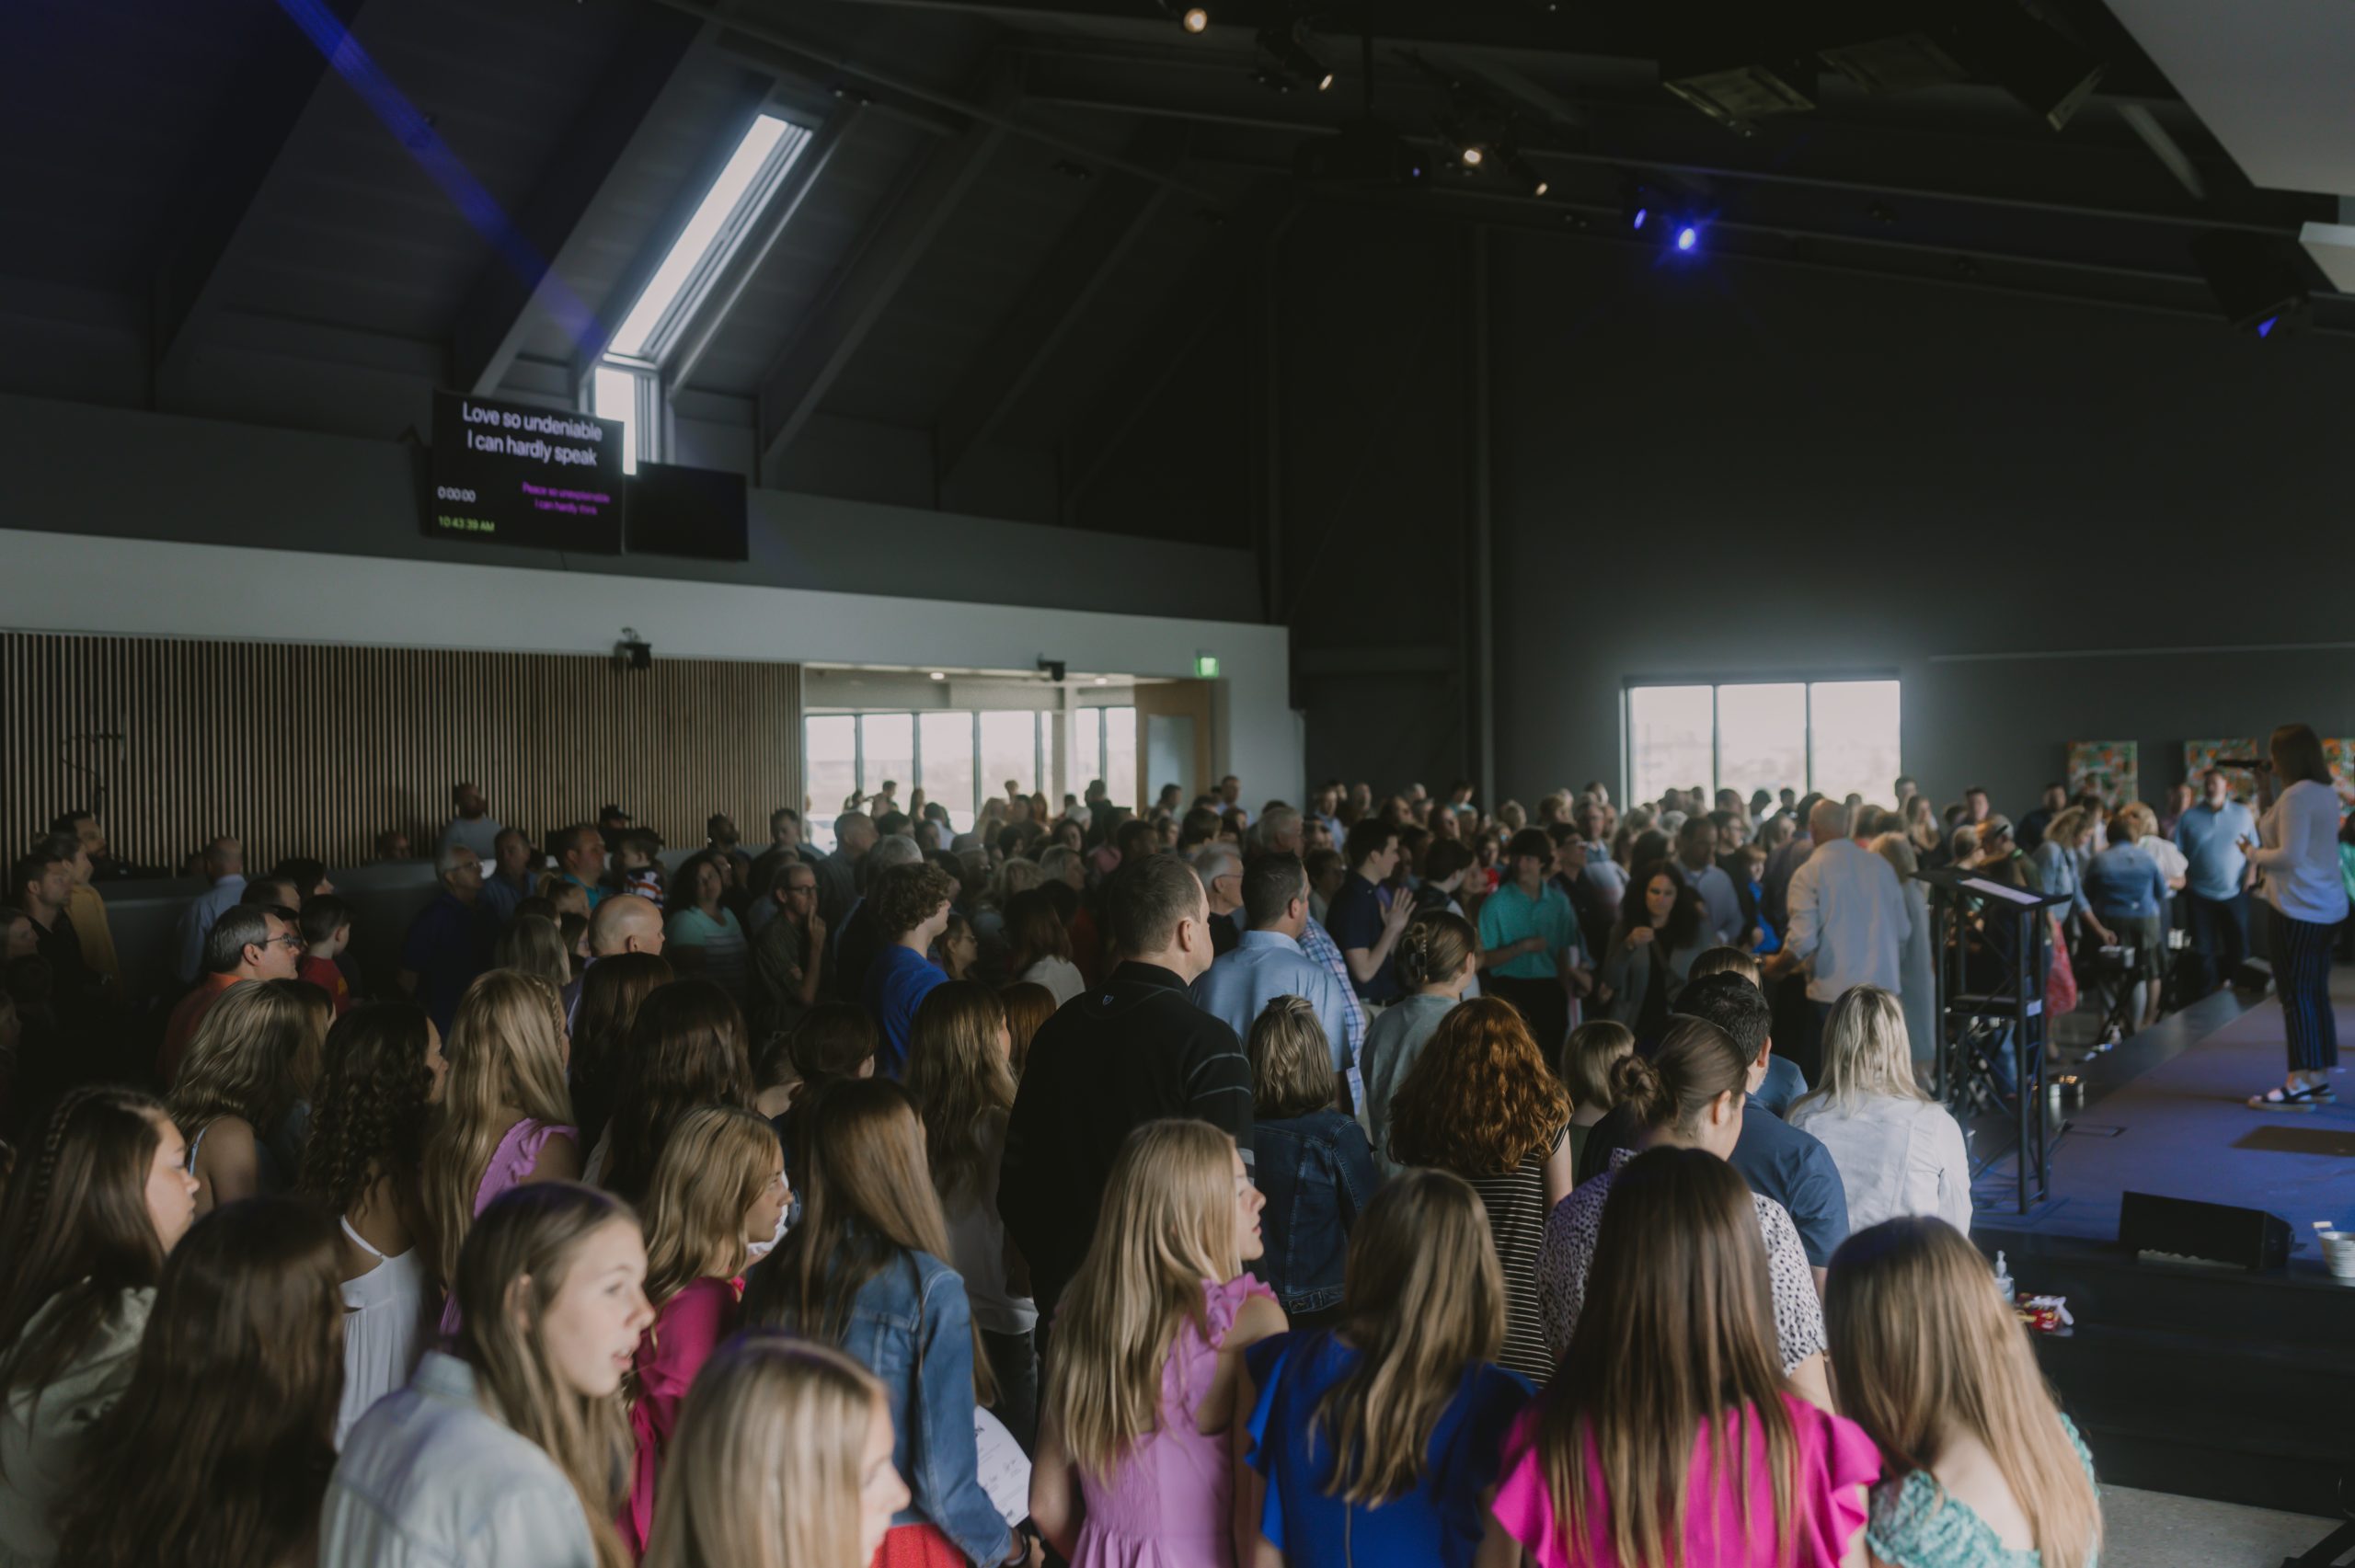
column 2002, row 1279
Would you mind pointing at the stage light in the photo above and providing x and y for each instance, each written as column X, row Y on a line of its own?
column 2265, row 327
column 1637, row 220
column 1523, row 174
column 1195, row 20
column 1473, row 155
column 1687, row 237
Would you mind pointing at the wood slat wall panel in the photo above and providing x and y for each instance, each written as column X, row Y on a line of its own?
column 303, row 749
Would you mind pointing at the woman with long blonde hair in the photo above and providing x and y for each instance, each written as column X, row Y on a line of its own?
column 1668, row 1435
column 718, row 1188
column 1934, row 1365
column 866, row 1269
column 1481, row 1102
column 960, row 1076
column 255, row 1057
column 784, row 1462
column 506, row 1113
column 534, row 944
column 1898, row 1150
column 1135, row 1462
column 505, row 1449
column 1375, row 1443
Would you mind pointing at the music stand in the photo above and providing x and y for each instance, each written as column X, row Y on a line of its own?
column 2011, row 926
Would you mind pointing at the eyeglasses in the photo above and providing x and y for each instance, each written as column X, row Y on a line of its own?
column 296, row 943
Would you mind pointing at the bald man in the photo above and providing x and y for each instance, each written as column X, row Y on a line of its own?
column 619, row 925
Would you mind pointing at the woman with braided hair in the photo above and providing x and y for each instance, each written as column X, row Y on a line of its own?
column 383, row 1074
column 101, row 1198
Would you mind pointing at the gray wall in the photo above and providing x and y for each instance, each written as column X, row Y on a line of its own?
column 81, row 468
column 1728, row 469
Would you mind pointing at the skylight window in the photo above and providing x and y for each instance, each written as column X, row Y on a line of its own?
column 627, row 382
column 710, row 237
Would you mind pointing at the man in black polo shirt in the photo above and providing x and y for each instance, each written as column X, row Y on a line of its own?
column 1367, row 929
column 1134, row 1050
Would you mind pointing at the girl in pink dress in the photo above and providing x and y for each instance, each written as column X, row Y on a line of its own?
column 1135, row 1464
column 506, row 1113
column 718, row 1186
column 1670, row 1403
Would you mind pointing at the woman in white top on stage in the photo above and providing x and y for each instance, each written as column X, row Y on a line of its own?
column 2297, row 855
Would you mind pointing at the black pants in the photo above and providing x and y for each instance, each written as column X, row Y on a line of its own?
column 1544, row 1005
column 2302, row 976
column 1016, row 1366
column 2218, row 933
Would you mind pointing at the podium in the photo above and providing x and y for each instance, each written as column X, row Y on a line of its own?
column 1990, row 940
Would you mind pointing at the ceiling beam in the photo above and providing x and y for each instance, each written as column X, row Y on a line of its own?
column 864, row 286
column 1196, row 305
column 1090, row 251
column 777, row 49
column 1851, row 151
column 1527, row 32
column 504, row 304
column 230, row 162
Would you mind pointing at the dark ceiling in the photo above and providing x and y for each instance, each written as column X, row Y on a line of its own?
column 1022, row 208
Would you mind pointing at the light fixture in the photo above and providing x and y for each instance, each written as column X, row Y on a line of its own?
column 1290, row 50
column 1195, row 19
column 1523, row 174
column 940, row 675
column 1687, row 237
column 1102, row 680
column 1474, row 155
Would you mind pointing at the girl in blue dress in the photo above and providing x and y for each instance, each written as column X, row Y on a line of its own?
column 1374, row 1445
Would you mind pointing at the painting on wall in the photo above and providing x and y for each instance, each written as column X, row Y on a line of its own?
column 2199, row 755
column 2108, row 768
column 2341, row 755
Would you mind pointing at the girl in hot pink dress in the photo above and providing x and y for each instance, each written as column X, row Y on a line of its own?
column 719, row 1187
column 1671, row 1400
column 1135, row 1460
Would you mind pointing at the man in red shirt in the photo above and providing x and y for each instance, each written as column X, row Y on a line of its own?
column 248, row 943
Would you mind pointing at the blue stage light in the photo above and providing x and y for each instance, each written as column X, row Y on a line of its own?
column 2266, row 326
column 1687, row 237
column 1637, row 220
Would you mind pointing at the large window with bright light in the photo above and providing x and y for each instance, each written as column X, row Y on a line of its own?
column 957, row 756
column 1839, row 738
column 627, row 382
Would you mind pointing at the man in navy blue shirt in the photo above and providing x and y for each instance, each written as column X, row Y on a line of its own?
column 1364, row 928
column 1777, row 1159
column 450, row 942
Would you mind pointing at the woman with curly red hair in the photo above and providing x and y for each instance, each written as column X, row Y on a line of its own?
column 1480, row 1101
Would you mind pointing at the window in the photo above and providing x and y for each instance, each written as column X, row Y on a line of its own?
column 830, row 771
column 1104, row 746
column 956, row 757
column 626, row 383
column 1836, row 737
column 944, row 766
column 1010, row 751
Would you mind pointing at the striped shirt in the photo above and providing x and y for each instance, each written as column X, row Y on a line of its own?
column 1517, row 1212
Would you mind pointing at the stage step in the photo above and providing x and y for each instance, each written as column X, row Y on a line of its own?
column 2226, row 1385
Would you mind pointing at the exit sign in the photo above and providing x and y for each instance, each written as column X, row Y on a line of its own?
column 1206, row 666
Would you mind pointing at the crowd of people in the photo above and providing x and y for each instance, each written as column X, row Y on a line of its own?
column 1357, row 1181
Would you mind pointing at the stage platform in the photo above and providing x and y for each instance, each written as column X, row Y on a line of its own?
column 2216, row 1383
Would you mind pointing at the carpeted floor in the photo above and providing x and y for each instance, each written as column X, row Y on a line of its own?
column 2182, row 1128
column 2159, row 1529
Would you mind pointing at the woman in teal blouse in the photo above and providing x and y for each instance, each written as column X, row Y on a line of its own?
column 1983, row 1471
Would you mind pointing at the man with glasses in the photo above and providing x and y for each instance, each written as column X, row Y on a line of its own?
column 450, row 942
column 248, row 943
column 790, row 951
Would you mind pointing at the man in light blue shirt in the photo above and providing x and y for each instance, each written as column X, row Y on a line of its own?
column 225, row 862
column 1269, row 962
column 2215, row 888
